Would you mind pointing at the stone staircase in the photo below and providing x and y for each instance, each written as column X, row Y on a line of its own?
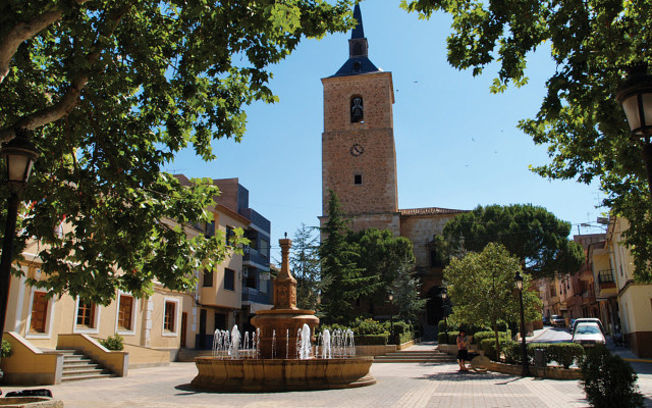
column 415, row 356
column 77, row 366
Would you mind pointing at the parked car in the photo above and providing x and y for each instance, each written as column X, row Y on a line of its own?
column 588, row 334
column 557, row 321
column 546, row 321
column 588, row 320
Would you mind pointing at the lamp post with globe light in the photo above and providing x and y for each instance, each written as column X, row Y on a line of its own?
column 19, row 156
column 524, row 359
column 635, row 96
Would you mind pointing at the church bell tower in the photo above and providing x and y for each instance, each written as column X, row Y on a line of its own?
column 358, row 152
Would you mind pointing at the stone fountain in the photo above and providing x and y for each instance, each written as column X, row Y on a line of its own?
column 278, row 366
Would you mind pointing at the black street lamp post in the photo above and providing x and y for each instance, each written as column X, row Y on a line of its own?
column 444, row 296
column 636, row 98
column 524, row 359
column 19, row 155
column 390, row 297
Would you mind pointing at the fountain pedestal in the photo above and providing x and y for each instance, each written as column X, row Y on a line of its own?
column 279, row 326
column 279, row 368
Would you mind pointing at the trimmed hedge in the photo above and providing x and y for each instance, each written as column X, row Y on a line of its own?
column 481, row 335
column 372, row 339
column 565, row 353
column 452, row 337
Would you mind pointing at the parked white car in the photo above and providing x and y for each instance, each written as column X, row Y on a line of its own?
column 588, row 334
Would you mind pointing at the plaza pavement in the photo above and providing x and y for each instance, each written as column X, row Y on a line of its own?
column 404, row 385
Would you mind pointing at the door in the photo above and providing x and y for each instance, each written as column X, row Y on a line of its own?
column 184, row 328
column 202, row 329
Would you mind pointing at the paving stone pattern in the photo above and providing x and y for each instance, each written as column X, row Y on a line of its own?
column 403, row 385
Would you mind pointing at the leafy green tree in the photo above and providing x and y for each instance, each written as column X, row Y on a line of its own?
column 381, row 256
column 304, row 261
column 594, row 45
column 533, row 234
column 113, row 90
column 406, row 291
column 483, row 291
column 342, row 279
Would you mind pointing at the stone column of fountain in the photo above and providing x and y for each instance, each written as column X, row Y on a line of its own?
column 279, row 326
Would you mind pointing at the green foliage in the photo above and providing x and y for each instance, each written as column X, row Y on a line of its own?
column 442, row 338
column 115, row 342
column 114, row 89
column 341, row 278
column 481, row 335
column 609, row 382
column 6, row 350
column 372, row 339
column 580, row 121
column 535, row 236
column 512, row 351
column 405, row 289
column 304, row 262
column 482, row 288
column 368, row 326
column 388, row 262
column 452, row 336
column 565, row 353
column 367, row 264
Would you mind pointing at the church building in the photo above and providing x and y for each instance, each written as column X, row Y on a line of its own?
column 359, row 163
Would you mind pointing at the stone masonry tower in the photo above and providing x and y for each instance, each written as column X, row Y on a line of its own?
column 358, row 153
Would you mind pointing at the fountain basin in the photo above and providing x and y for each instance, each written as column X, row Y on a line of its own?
column 269, row 375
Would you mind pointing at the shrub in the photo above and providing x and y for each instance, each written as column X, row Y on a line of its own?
column 372, row 339
column 565, row 353
column 506, row 345
column 531, row 347
column 442, row 338
column 405, row 337
column 489, row 348
column 512, row 351
column 115, row 342
column 452, row 337
column 6, row 350
column 609, row 382
column 481, row 335
column 365, row 327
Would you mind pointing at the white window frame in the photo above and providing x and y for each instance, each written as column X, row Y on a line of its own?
column 78, row 328
column 177, row 317
column 49, row 319
column 134, row 308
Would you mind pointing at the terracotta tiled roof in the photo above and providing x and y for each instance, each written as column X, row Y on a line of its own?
column 430, row 211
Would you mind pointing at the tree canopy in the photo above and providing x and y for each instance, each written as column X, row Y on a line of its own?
column 482, row 288
column 532, row 234
column 304, row 262
column 594, row 44
column 342, row 279
column 113, row 89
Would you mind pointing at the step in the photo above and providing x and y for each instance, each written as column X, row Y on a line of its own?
column 72, row 366
column 76, row 359
column 86, row 377
column 77, row 373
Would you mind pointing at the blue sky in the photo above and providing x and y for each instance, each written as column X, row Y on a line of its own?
column 457, row 144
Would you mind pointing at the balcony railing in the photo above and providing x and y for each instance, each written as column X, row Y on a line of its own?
column 256, row 257
column 606, row 276
column 256, row 296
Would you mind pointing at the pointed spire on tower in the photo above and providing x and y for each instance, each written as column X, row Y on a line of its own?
column 358, row 30
column 358, row 62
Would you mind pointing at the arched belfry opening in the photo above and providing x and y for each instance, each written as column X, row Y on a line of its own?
column 357, row 109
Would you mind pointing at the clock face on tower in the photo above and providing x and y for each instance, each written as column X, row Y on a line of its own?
column 356, row 150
